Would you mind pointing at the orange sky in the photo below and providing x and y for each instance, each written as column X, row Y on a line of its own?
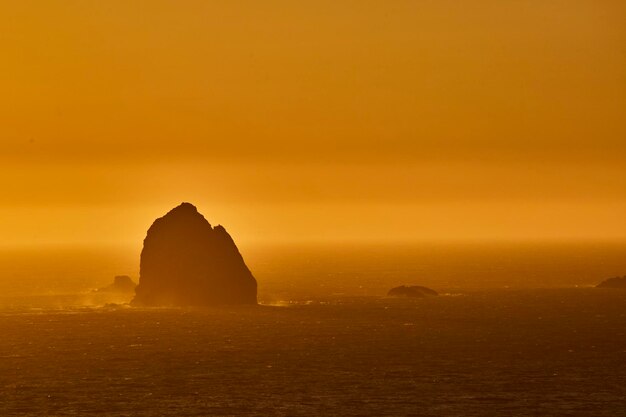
column 321, row 120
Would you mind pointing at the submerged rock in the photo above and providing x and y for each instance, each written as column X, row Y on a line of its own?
column 121, row 284
column 617, row 282
column 186, row 262
column 414, row 291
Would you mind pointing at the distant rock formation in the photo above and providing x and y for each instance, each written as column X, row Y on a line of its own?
column 121, row 284
column 414, row 291
column 186, row 262
column 617, row 282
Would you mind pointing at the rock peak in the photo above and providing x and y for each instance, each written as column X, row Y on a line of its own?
column 185, row 261
column 184, row 208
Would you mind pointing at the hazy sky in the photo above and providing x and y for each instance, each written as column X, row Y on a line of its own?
column 313, row 120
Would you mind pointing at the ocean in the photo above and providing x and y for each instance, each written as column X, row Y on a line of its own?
column 518, row 330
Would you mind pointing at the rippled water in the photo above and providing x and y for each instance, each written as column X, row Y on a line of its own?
column 528, row 353
column 331, row 346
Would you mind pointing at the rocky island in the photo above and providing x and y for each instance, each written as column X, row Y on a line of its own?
column 413, row 291
column 187, row 262
column 121, row 284
column 617, row 282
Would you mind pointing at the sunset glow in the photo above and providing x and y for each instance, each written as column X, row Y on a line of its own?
column 297, row 121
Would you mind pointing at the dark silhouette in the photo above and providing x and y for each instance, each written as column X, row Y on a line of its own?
column 617, row 282
column 414, row 291
column 121, row 284
column 186, row 262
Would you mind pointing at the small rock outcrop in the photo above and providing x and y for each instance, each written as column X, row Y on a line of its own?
column 414, row 291
column 187, row 262
column 617, row 282
column 121, row 284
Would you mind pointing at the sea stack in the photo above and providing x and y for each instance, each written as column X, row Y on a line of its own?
column 186, row 262
column 121, row 284
column 413, row 291
column 617, row 282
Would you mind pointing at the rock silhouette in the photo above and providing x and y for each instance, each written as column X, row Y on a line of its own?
column 121, row 284
column 617, row 282
column 186, row 262
column 414, row 291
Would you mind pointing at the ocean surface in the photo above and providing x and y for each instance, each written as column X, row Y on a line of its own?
column 518, row 330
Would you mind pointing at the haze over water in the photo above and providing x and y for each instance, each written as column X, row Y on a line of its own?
column 314, row 270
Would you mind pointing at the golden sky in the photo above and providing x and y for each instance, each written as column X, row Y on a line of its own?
column 313, row 120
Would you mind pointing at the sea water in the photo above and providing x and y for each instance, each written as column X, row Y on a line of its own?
column 517, row 330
